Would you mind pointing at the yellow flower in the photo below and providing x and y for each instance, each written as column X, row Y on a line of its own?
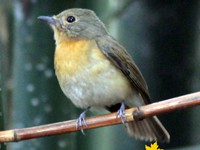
column 153, row 146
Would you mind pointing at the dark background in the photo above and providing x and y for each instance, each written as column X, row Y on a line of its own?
column 162, row 36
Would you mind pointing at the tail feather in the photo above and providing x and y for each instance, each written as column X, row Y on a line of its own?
column 149, row 129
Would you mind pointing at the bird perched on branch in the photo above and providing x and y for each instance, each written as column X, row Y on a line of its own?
column 94, row 70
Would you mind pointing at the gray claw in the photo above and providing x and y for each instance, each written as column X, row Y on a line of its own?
column 121, row 113
column 81, row 122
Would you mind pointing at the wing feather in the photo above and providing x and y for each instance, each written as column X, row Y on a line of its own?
column 122, row 60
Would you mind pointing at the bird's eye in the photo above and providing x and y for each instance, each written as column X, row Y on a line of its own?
column 71, row 19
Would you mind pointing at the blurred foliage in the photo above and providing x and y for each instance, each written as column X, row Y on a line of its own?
column 2, row 145
column 173, row 38
column 162, row 37
column 3, row 62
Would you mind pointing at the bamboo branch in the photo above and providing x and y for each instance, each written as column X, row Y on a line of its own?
column 136, row 114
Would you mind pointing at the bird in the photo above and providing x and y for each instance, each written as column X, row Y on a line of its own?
column 95, row 71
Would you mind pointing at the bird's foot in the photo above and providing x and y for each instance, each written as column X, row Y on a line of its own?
column 81, row 121
column 121, row 113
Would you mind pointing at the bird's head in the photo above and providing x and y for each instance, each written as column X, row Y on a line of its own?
column 75, row 23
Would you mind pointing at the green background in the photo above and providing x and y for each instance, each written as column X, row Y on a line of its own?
column 162, row 37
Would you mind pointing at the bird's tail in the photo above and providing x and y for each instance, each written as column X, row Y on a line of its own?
column 149, row 129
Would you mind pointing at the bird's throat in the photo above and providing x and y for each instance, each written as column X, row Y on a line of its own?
column 71, row 55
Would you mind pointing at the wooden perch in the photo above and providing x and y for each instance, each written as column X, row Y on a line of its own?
column 136, row 114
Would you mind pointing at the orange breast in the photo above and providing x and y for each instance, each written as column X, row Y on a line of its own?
column 73, row 55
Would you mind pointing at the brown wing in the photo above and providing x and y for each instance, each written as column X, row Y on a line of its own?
column 147, row 129
column 122, row 60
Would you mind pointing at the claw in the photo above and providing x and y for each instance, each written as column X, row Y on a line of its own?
column 121, row 113
column 81, row 121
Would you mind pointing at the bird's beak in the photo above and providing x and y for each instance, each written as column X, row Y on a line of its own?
column 48, row 20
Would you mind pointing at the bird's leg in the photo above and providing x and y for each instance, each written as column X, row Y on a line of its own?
column 121, row 113
column 81, row 120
